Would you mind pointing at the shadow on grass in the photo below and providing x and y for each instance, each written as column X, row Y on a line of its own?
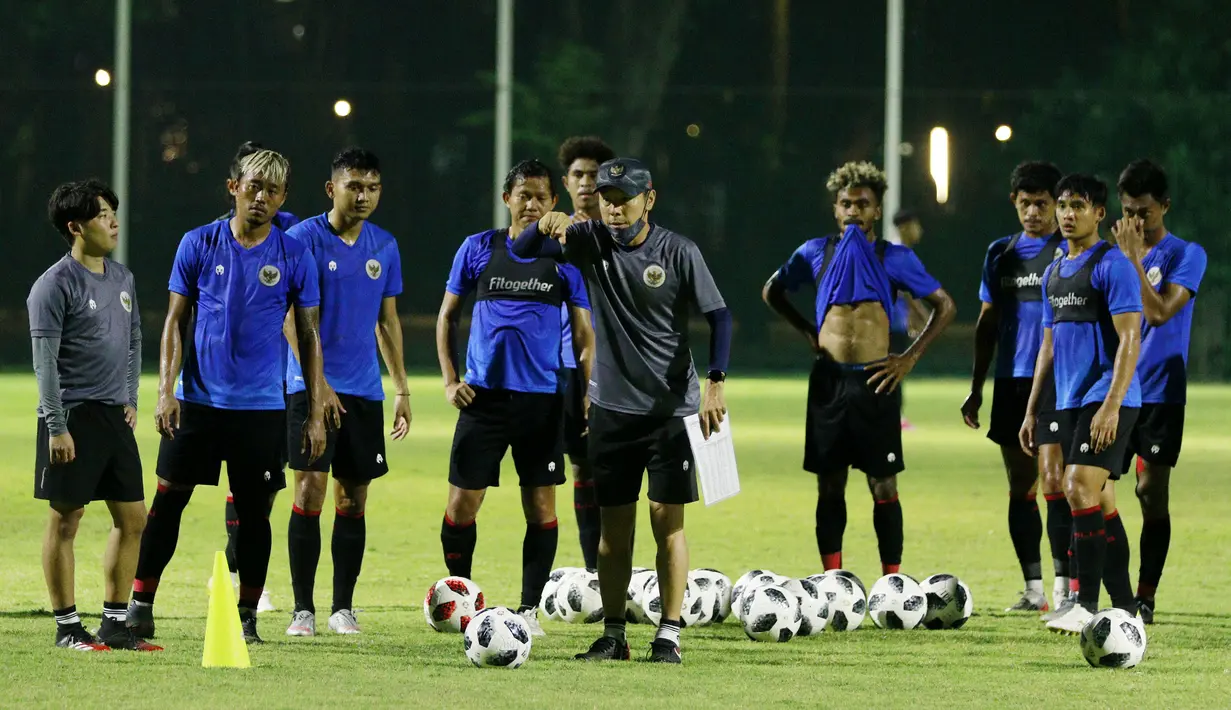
column 24, row 613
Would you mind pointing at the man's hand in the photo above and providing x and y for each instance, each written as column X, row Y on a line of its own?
column 1025, row 436
column 713, row 408
column 167, row 415
column 1130, row 237
column 314, row 437
column 1103, row 426
column 333, row 408
column 401, row 417
column 459, row 394
column 585, row 413
column 554, row 224
column 62, row 448
column 889, row 373
column 130, row 416
column 970, row 409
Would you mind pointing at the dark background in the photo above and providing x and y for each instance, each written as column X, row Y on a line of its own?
column 782, row 91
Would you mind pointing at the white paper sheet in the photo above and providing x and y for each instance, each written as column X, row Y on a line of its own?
column 715, row 457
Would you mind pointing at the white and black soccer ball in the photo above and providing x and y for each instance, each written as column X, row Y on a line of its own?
column 547, row 602
column 451, row 603
column 897, row 602
column 950, row 603
column 810, row 606
column 1113, row 638
column 497, row 637
column 692, row 613
column 770, row 613
column 816, row 578
column 842, row 603
column 633, row 613
column 578, row 600
column 716, row 589
column 762, row 579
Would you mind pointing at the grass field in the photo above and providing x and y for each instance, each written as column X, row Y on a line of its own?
column 954, row 499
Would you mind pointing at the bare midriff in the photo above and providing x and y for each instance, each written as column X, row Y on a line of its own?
column 855, row 333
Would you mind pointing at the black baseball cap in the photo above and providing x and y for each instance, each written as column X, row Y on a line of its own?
column 628, row 175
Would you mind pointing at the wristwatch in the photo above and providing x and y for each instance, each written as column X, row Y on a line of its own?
column 716, row 376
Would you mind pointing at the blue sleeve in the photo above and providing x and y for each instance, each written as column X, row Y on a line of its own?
column 1048, row 314
column 720, row 338
column 1190, row 270
column 988, row 285
column 1117, row 278
column 462, row 277
column 906, row 272
column 574, row 287
column 797, row 270
column 305, row 282
column 186, row 269
column 393, row 277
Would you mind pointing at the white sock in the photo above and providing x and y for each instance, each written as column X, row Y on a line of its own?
column 1034, row 585
column 1060, row 589
column 670, row 631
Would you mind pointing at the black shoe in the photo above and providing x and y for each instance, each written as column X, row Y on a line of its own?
column 605, row 648
column 247, row 619
column 1145, row 609
column 664, row 651
column 141, row 620
column 76, row 638
column 119, row 636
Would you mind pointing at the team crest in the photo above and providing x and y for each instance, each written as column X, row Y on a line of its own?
column 219, row 270
column 1154, row 276
column 333, row 265
column 617, row 170
column 373, row 268
column 270, row 276
column 92, row 304
column 653, row 276
column 126, row 301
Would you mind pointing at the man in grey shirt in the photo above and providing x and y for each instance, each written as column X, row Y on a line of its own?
column 644, row 282
column 86, row 336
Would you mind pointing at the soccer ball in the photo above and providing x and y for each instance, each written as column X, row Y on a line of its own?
column 810, row 605
column 547, row 603
column 751, row 580
column 770, row 613
column 716, row 589
column 1113, row 638
column 949, row 602
column 692, row 613
column 578, row 600
column 451, row 603
column 634, row 611
column 842, row 603
column 897, row 602
column 497, row 637
column 841, row 573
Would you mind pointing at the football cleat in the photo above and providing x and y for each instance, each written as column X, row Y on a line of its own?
column 605, row 648
column 664, row 651
column 531, row 617
column 119, row 636
column 1031, row 601
column 303, row 623
column 1060, row 610
column 343, row 622
column 141, row 620
column 1145, row 609
column 265, row 604
column 247, row 620
column 76, row 638
column 1072, row 622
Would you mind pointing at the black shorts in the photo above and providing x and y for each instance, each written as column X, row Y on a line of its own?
column 1010, row 397
column 355, row 452
column 622, row 446
column 575, row 387
column 1158, row 435
column 1075, row 439
column 250, row 441
column 107, row 466
column 531, row 423
column 848, row 424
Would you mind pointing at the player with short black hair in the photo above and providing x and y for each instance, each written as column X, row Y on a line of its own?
column 233, row 281
column 645, row 281
column 1091, row 337
column 1170, row 270
column 360, row 275
column 1009, row 329
column 509, row 395
column 85, row 332
column 579, row 158
column 854, row 402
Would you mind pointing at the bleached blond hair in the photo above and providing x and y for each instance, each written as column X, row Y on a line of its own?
column 858, row 174
column 266, row 165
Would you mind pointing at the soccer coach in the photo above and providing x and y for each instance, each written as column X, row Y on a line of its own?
column 644, row 282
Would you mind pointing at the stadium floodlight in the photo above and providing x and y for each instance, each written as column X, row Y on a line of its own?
column 102, row 77
column 939, row 159
column 342, row 108
column 1003, row 133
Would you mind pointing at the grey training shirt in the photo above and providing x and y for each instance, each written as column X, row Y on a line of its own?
column 642, row 299
column 94, row 319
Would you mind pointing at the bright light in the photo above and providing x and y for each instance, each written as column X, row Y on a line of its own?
column 693, row 130
column 1003, row 133
column 342, row 107
column 939, row 158
column 102, row 77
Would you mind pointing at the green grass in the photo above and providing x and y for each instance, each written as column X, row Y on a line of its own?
column 954, row 498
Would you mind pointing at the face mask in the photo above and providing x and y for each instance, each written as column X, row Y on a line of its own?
column 625, row 235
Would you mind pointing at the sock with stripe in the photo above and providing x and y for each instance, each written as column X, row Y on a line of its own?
column 614, row 628
column 1026, row 532
column 115, row 611
column 158, row 541
column 669, row 629
column 458, row 541
column 232, row 523
column 1090, row 554
column 887, row 521
column 538, row 553
column 253, row 544
column 589, row 521
column 303, row 546
column 830, row 527
column 67, row 618
column 350, row 536
column 1115, row 575
column 1155, row 541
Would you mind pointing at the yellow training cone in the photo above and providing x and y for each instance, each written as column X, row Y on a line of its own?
column 224, row 637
